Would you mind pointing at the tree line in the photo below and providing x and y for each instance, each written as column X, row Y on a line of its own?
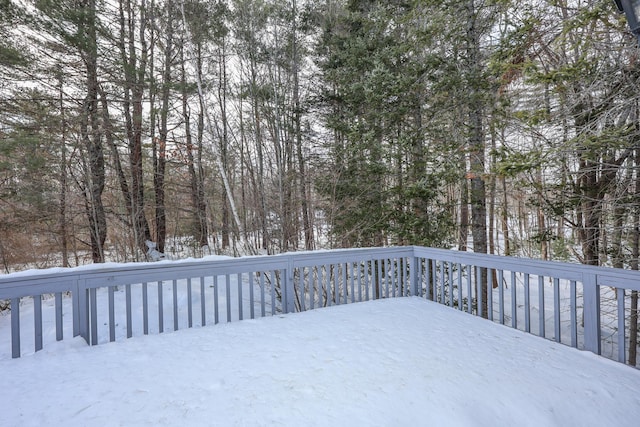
column 237, row 126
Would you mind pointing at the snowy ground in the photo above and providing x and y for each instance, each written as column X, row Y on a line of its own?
column 395, row 362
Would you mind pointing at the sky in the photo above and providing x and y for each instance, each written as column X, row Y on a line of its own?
column 393, row 362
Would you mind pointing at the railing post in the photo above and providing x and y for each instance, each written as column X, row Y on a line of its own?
column 414, row 274
column 15, row 328
column 81, row 311
column 288, row 293
column 591, row 292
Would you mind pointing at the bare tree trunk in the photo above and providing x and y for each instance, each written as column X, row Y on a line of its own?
column 262, row 211
column 201, row 200
column 133, row 100
column 62, row 230
column 160, row 143
column 476, row 149
column 302, row 177
column 200, row 227
column 93, row 141
column 224, row 138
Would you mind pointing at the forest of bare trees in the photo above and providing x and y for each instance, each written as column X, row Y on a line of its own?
column 264, row 126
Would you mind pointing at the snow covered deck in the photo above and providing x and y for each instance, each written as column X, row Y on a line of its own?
column 389, row 362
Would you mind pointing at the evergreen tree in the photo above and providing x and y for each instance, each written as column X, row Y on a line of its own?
column 384, row 186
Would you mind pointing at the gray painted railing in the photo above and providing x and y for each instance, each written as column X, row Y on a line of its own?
column 581, row 306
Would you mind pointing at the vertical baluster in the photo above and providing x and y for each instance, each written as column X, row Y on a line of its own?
column 408, row 279
column 514, row 303
column 392, row 277
column 37, row 321
column 442, row 282
column 127, row 292
column 402, row 276
column 421, row 273
column 365, row 273
column 227, row 284
column 541, row 316
column 319, row 278
column 460, row 296
column 490, row 273
column 428, row 278
column 160, row 308
column 239, row 280
column 59, row 326
column 112, row 316
column 387, row 264
column 621, row 327
column 352, row 282
column 398, row 277
column 336, row 283
column 216, row 309
column 416, row 279
column 479, row 296
column 174, row 290
column 262, row 294
column 527, row 306
column 322, row 291
column 469, row 288
column 434, row 280
column 573, row 308
column 556, row 309
column 501, row 295
column 450, row 278
column 272, row 276
column 399, row 283
column 203, row 305
column 344, row 283
column 252, row 309
column 375, row 286
column 359, row 281
column 145, row 309
column 380, row 278
column 406, row 271
column 321, row 281
column 189, row 304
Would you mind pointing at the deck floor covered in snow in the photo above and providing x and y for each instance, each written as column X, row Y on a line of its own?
column 395, row 362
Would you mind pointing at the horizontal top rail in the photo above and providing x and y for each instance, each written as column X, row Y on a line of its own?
column 27, row 283
column 628, row 279
column 14, row 285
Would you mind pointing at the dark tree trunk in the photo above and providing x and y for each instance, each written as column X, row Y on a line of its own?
column 476, row 146
column 160, row 143
column 133, row 103
column 93, row 140
column 62, row 210
column 200, row 227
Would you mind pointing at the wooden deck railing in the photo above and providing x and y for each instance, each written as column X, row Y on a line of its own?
column 581, row 306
